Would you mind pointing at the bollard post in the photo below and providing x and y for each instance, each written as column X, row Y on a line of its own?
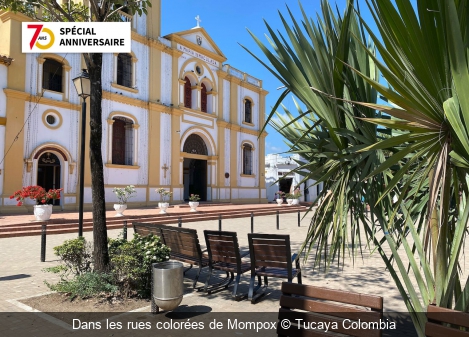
column 278, row 220
column 125, row 230
column 43, row 242
column 180, row 222
column 252, row 222
column 299, row 219
column 219, row 223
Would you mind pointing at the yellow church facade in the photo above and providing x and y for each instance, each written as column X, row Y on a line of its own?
column 175, row 116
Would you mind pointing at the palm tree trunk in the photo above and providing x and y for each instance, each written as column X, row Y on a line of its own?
column 101, row 254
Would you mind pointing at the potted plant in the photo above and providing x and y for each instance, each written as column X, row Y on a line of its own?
column 294, row 198
column 122, row 195
column 42, row 210
column 279, row 197
column 194, row 202
column 163, row 196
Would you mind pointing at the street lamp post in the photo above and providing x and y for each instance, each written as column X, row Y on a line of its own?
column 83, row 86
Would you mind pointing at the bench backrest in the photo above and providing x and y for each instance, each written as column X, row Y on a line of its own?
column 316, row 305
column 222, row 246
column 270, row 250
column 182, row 240
column 145, row 229
column 438, row 315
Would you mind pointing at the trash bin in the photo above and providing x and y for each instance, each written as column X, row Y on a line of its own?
column 168, row 287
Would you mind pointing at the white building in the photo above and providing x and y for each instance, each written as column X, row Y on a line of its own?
column 278, row 177
column 174, row 115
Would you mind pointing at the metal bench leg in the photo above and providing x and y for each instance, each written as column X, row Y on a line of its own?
column 223, row 284
column 197, row 277
column 235, row 290
column 262, row 292
column 298, row 276
column 187, row 269
column 207, row 280
column 253, row 290
column 231, row 279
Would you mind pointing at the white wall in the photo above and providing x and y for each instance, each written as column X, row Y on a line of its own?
column 2, row 153
column 166, row 75
column 141, row 72
column 3, row 84
column 3, row 145
column 205, row 44
column 248, row 181
column 242, row 94
column 165, row 147
column 119, row 176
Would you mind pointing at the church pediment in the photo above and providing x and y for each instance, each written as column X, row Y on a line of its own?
column 198, row 39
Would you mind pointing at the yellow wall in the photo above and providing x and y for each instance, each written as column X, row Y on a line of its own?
column 154, row 20
column 10, row 33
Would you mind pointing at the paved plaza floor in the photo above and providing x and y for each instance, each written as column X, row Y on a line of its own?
column 21, row 272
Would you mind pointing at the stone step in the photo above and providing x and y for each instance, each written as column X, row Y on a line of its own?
column 38, row 224
column 169, row 219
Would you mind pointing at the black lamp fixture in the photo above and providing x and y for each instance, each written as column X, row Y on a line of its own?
column 83, row 86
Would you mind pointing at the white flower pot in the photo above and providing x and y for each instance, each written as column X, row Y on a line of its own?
column 290, row 202
column 42, row 212
column 279, row 201
column 120, row 208
column 193, row 205
column 295, row 202
column 163, row 206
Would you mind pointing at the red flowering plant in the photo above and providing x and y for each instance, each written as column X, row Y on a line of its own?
column 37, row 193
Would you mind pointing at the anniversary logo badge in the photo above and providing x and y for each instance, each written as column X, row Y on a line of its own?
column 76, row 37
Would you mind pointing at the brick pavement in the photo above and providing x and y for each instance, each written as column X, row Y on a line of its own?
column 21, row 275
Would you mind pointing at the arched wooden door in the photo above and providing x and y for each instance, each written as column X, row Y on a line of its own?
column 49, row 173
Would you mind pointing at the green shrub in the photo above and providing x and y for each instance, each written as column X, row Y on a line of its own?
column 86, row 285
column 131, row 262
column 130, row 267
column 76, row 256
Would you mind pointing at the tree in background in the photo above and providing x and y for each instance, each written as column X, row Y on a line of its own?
column 415, row 178
column 97, row 11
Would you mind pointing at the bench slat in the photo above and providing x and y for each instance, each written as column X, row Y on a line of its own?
column 272, row 264
column 364, row 300
column 315, row 320
column 446, row 315
column 329, row 308
column 437, row 330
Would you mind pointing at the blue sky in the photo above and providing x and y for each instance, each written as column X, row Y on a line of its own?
column 226, row 22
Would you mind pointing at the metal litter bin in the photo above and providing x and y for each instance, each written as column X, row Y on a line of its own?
column 168, row 287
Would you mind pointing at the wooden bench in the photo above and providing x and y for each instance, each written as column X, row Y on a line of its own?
column 223, row 252
column 183, row 242
column 271, row 257
column 444, row 322
column 314, row 307
column 145, row 229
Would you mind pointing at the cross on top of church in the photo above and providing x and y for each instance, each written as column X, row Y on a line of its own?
column 197, row 18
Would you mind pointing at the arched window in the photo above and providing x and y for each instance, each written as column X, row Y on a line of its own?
column 52, row 75
column 195, row 144
column 187, row 93
column 124, row 70
column 247, row 111
column 122, row 141
column 247, row 159
column 203, row 98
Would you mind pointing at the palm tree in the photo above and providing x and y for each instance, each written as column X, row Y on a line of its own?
column 412, row 178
